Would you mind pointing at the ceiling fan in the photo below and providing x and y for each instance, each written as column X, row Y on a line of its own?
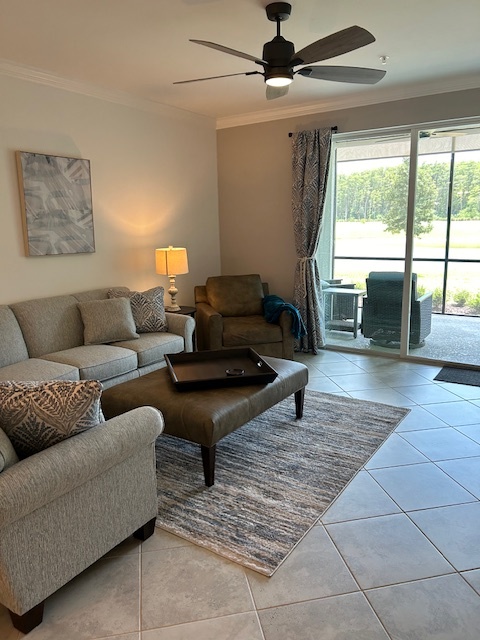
column 279, row 57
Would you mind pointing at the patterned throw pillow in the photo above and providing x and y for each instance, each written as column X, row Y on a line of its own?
column 147, row 308
column 37, row 415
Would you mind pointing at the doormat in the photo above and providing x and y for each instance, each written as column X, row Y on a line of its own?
column 459, row 376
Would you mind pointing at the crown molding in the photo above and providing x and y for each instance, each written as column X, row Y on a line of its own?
column 31, row 74
column 403, row 92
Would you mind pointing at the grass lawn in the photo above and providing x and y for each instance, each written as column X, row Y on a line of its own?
column 369, row 239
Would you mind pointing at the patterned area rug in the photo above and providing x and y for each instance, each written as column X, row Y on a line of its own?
column 274, row 476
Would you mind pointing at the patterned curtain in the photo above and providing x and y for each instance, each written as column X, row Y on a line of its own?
column 310, row 162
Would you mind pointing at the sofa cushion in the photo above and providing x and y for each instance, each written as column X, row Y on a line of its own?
column 37, row 415
column 249, row 330
column 12, row 345
column 97, row 362
column 49, row 324
column 107, row 321
column 235, row 295
column 147, row 308
column 152, row 347
column 8, row 455
column 96, row 294
column 39, row 369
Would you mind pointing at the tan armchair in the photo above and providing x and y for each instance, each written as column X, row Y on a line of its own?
column 230, row 314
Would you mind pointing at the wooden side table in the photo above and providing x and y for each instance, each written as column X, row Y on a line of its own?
column 186, row 311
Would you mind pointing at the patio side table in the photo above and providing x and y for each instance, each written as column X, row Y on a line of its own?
column 348, row 324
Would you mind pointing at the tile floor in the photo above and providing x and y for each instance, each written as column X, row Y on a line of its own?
column 396, row 556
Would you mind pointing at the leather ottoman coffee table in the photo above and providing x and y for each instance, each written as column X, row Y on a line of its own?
column 205, row 416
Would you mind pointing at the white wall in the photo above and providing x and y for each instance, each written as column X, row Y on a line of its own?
column 255, row 178
column 154, row 183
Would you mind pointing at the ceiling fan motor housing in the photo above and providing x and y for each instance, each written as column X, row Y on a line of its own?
column 278, row 52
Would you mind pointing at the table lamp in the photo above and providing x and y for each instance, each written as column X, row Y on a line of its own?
column 171, row 262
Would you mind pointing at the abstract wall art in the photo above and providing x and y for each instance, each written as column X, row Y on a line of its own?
column 56, row 200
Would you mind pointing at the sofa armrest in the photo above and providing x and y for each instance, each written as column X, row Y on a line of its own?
column 35, row 481
column 183, row 326
column 209, row 327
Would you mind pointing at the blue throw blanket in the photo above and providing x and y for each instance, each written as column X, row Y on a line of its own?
column 273, row 307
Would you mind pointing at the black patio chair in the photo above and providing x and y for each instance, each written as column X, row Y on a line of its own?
column 382, row 310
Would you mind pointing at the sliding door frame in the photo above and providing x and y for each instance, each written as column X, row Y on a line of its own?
column 413, row 131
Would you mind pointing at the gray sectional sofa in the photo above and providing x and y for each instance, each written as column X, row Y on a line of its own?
column 43, row 339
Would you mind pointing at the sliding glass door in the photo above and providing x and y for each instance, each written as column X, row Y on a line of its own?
column 405, row 202
column 367, row 235
column 447, row 252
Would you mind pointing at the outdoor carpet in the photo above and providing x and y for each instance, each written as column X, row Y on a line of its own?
column 459, row 375
column 274, row 476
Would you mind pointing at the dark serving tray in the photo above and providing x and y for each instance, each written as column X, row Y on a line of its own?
column 208, row 369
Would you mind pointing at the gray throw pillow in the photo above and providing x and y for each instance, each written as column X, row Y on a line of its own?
column 107, row 321
column 147, row 308
column 37, row 415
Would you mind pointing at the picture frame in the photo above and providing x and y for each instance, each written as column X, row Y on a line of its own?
column 56, row 202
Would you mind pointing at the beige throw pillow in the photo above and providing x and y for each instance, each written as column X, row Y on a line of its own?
column 37, row 415
column 147, row 308
column 107, row 321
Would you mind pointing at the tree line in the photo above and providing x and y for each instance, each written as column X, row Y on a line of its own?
column 381, row 194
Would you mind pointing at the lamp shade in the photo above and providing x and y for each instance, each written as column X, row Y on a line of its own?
column 171, row 261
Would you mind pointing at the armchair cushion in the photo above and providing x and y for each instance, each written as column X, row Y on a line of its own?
column 107, row 321
column 37, row 415
column 148, row 308
column 236, row 295
column 249, row 330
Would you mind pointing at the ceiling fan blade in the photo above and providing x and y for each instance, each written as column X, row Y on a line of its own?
column 276, row 92
column 228, row 75
column 333, row 45
column 358, row 75
column 232, row 52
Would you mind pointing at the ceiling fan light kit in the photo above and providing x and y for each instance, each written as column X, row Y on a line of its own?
column 279, row 78
column 279, row 57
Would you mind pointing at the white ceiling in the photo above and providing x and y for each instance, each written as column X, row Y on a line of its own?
column 140, row 47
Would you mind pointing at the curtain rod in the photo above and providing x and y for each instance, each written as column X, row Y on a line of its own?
column 333, row 130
